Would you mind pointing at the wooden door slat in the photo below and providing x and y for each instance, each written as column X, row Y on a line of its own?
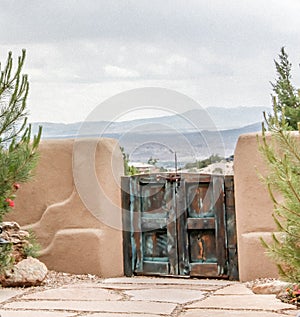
column 157, row 268
column 201, row 223
column 221, row 235
column 127, row 246
column 204, row 269
column 153, row 224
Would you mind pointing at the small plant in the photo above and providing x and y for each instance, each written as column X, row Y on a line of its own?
column 32, row 248
column 6, row 259
column 128, row 170
column 292, row 295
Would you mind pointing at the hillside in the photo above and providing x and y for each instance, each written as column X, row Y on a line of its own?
column 195, row 134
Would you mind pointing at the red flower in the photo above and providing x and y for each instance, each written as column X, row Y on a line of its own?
column 17, row 186
column 10, row 202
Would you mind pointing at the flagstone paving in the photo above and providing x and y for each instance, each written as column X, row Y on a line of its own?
column 143, row 297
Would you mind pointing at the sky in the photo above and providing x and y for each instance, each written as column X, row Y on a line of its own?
column 80, row 53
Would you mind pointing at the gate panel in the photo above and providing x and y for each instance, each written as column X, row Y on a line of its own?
column 179, row 226
column 205, row 225
column 155, row 234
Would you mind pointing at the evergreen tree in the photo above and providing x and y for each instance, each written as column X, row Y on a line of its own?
column 128, row 170
column 18, row 153
column 152, row 161
column 282, row 153
column 288, row 99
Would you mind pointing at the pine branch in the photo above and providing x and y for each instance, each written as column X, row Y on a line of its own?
column 282, row 154
column 18, row 153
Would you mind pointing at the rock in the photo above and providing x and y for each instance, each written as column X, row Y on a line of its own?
column 28, row 272
column 271, row 287
column 17, row 237
column 10, row 226
column 23, row 234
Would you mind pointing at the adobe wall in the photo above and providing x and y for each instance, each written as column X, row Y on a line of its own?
column 74, row 206
column 254, row 210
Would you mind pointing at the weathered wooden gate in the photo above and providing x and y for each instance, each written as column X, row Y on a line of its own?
column 179, row 225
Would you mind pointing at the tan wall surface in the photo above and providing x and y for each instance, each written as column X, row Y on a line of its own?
column 77, row 226
column 254, row 210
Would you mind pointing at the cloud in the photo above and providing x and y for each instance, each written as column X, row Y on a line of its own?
column 119, row 72
column 196, row 22
column 219, row 52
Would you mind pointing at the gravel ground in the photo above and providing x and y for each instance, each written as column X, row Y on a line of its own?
column 57, row 279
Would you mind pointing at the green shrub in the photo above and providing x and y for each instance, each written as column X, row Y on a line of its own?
column 33, row 247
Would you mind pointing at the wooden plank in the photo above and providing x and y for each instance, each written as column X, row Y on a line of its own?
column 202, row 246
column 152, row 197
column 196, row 178
column 136, row 225
column 218, row 194
column 201, row 223
column 160, row 213
column 233, row 272
column 204, row 270
column 126, row 223
column 182, row 237
column 155, row 268
column 199, row 200
column 172, row 231
column 150, row 180
column 155, row 244
column 153, row 223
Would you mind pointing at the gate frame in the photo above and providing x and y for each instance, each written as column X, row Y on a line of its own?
column 231, row 255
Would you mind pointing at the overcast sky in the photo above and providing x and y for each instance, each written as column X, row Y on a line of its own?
column 79, row 53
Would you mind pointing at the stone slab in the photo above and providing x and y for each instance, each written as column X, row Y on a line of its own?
column 291, row 312
column 170, row 295
column 34, row 313
column 199, row 287
column 271, row 287
column 75, row 294
column 96, row 306
column 231, row 313
column 236, row 289
column 7, row 293
column 166, row 280
column 118, row 315
column 258, row 302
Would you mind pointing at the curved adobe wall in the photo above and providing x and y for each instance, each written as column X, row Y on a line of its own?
column 73, row 238
column 254, row 210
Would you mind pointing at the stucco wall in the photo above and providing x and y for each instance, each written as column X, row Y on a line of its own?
column 78, row 226
column 74, row 207
column 254, row 210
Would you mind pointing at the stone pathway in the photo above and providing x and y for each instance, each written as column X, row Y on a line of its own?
column 143, row 297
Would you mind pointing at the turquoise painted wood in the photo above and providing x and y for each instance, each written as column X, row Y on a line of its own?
column 182, row 225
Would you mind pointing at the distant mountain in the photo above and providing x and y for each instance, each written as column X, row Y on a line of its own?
column 213, row 118
column 236, row 117
column 189, row 146
column 195, row 134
